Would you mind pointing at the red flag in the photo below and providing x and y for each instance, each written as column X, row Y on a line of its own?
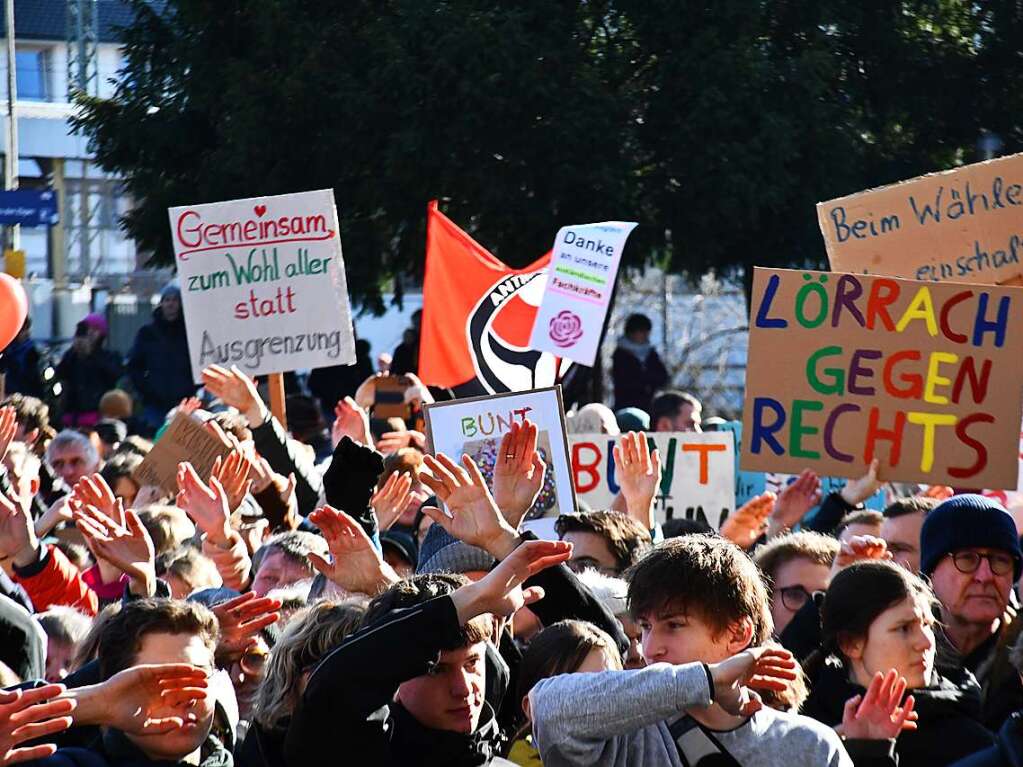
column 477, row 315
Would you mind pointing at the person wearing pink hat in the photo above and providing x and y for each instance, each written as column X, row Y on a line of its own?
column 86, row 372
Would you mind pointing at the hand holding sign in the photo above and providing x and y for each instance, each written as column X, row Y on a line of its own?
column 475, row 518
column 858, row 490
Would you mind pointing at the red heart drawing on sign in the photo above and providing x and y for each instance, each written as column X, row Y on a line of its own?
column 260, row 210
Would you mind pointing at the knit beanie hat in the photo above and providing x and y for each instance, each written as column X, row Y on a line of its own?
column 441, row 552
column 967, row 522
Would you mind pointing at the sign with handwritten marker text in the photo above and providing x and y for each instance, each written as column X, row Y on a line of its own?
column 844, row 368
column 697, row 474
column 474, row 426
column 263, row 283
column 580, row 280
column 963, row 225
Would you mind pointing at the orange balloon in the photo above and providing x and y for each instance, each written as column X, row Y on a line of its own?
column 13, row 308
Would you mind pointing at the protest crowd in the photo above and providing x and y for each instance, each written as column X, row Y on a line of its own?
column 217, row 564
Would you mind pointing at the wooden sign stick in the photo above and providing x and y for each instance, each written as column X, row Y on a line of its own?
column 277, row 406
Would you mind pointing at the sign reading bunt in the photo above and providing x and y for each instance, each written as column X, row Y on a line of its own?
column 584, row 265
column 697, row 473
column 475, row 426
column 963, row 225
column 844, row 368
column 263, row 283
column 185, row 439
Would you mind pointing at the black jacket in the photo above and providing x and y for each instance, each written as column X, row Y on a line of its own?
column 22, row 641
column 636, row 380
column 1008, row 748
column 113, row 749
column 948, row 727
column 348, row 706
column 158, row 362
column 86, row 378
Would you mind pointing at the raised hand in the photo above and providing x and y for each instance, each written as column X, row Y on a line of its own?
column 638, row 472
column 766, row 668
column 393, row 441
column 355, row 565
column 205, row 504
column 17, row 534
column 94, row 491
column 8, row 428
column 240, row 620
column 475, row 518
column 749, row 521
column 518, row 472
column 129, row 700
column 350, row 420
column 26, row 715
column 189, row 405
column 233, row 475
column 500, row 591
column 126, row 546
column 858, row 490
column 275, row 495
column 794, row 501
column 860, row 548
column 877, row 715
column 59, row 511
column 237, row 390
column 390, row 500
column 233, row 563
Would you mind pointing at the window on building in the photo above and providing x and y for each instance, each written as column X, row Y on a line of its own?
column 33, row 70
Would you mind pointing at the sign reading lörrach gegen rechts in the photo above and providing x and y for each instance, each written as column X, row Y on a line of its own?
column 924, row 376
column 963, row 225
column 580, row 278
column 263, row 283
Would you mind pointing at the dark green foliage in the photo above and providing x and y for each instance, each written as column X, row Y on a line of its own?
column 716, row 125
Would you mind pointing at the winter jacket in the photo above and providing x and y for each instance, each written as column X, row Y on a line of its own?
column 22, row 641
column 19, row 364
column 287, row 457
column 948, row 727
column 262, row 746
column 637, row 373
column 1008, row 748
column 159, row 364
column 1001, row 689
column 54, row 580
column 86, row 378
column 113, row 749
column 349, row 699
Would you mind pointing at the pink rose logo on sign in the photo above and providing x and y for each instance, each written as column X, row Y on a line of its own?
column 565, row 329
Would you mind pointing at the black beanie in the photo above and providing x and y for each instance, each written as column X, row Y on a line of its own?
column 967, row 522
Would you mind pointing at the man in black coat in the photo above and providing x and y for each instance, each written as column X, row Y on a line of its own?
column 158, row 362
column 636, row 368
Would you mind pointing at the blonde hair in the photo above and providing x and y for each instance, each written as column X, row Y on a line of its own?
column 310, row 635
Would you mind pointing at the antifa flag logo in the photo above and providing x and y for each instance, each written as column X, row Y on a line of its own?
column 499, row 327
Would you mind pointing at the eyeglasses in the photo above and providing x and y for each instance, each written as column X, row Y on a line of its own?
column 795, row 597
column 968, row 561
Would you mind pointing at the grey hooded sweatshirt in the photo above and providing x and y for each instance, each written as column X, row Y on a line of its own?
column 619, row 718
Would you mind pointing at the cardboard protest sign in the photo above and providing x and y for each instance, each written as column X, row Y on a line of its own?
column 474, row 426
column 185, row 439
column 844, row 368
column 697, row 473
column 263, row 283
column 584, row 265
column 750, row 484
column 963, row 225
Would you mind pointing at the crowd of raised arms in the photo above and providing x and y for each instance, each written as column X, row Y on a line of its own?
column 331, row 593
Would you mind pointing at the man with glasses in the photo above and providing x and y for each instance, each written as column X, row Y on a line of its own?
column 607, row 541
column 969, row 547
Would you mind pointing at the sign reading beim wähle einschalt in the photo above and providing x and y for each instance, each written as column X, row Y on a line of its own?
column 263, row 283
column 844, row 368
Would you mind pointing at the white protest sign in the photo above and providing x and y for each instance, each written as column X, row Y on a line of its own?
column 475, row 426
column 263, row 283
column 580, row 278
column 697, row 473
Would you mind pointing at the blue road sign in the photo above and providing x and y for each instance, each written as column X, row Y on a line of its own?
column 29, row 207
